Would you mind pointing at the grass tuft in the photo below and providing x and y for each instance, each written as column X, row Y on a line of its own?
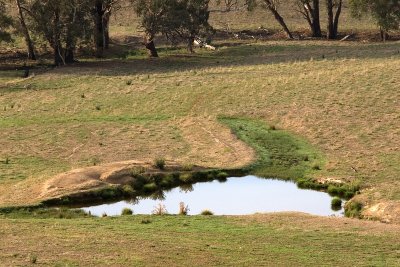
column 159, row 163
column 336, row 203
column 126, row 211
column 207, row 213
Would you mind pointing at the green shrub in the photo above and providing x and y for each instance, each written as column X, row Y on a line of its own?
column 336, row 203
column 159, row 163
column 33, row 258
column 109, row 193
column 170, row 180
column 151, row 187
column 187, row 167
column 207, row 213
column 353, row 209
column 137, row 170
column 128, row 190
column 145, row 221
column 222, row 175
column 186, row 178
column 305, row 183
column 139, row 182
column 200, row 176
column 126, row 211
column 316, row 167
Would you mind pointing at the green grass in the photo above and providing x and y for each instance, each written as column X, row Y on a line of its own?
column 262, row 240
column 280, row 154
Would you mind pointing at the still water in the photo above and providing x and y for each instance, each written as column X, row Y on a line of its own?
column 236, row 196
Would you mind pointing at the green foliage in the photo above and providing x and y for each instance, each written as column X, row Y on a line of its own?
column 346, row 191
column 306, row 183
column 336, row 203
column 33, row 258
column 385, row 12
column 5, row 23
column 176, row 19
column 207, row 213
column 62, row 23
column 159, row 163
column 128, row 190
column 148, row 188
column 126, row 211
column 353, row 209
column 43, row 213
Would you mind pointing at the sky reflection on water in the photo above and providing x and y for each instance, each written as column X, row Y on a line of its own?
column 236, row 196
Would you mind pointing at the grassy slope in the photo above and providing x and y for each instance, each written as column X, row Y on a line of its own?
column 262, row 240
column 345, row 105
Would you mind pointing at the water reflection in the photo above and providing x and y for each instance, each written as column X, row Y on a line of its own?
column 236, row 196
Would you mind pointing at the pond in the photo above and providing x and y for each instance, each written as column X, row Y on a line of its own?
column 237, row 196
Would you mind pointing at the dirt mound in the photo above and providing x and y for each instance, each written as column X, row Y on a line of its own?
column 90, row 178
column 385, row 211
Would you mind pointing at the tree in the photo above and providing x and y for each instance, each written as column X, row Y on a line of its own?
column 25, row 31
column 5, row 23
column 177, row 20
column 273, row 7
column 152, row 13
column 102, row 12
column 333, row 17
column 186, row 20
column 385, row 12
column 311, row 12
column 62, row 23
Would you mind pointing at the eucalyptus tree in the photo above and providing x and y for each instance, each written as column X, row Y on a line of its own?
column 385, row 12
column 177, row 20
column 310, row 10
column 5, row 23
column 334, row 9
column 21, row 7
column 101, row 10
column 63, row 23
column 273, row 6
column 187, row 20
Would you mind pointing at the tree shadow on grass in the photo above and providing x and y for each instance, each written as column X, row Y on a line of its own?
column 130, row 61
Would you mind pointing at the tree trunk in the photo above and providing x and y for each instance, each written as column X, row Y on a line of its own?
column 316, row 29
column 279, row 18
column 337, row 16
column 329, row 9
column 384, row 34
column 149, row 44
column 106, row 31
column 69, row 56
column 99, row 30
column 190, row 45
column 28, row 40
column 56, row 40
column 333, row 20
column 58, row 59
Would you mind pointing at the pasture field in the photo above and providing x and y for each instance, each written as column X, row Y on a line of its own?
column 283, row 239
column 321, row 110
